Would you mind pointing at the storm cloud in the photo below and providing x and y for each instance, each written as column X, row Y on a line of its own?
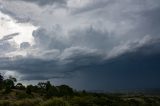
column 110, row 42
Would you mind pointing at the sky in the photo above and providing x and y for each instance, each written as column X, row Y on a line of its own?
column 87, row 44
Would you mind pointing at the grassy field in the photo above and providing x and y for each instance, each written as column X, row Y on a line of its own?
column 21, row 98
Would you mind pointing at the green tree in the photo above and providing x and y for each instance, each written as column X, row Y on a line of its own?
column 9, row 84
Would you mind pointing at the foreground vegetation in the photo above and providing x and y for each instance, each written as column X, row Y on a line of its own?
column 45, row 94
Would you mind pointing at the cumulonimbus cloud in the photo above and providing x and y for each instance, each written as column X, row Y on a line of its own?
column 98, row 36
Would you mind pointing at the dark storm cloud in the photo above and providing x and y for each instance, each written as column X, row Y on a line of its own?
column 42, row 77
column 131, row 70
column 63, row 67
column 140, row 67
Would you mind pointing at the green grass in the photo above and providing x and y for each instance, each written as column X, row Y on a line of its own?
column 21, row 98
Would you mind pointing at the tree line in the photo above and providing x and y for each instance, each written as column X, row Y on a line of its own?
column 45, row 89
column 13, row 93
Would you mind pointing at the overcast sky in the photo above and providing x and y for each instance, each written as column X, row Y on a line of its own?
column 88, row 44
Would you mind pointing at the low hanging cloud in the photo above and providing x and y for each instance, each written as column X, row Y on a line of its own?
column 143, row 60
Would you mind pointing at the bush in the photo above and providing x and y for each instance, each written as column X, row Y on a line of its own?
column 22, row 95
column 83, row 101
column 5, row 103
column 65, row 90
column 52, row 91
column 28, row 102
column 28, row 90
column 55, row 102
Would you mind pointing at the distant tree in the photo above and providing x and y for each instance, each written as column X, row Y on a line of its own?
column 41, row 88
column 65, row 90
column 35, row 88
column 1, row 81
column 1, row 78
column 49, row 90
column 41, row 85
column 48, row 85
column 52, row 91
column 84, row 91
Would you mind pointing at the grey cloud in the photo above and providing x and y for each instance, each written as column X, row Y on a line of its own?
column 8, row 37
column 6, row 47
column 14, row 15
column 138, row 69
column 113, row 5
column 91, row 37
column 25, row 45
column 101, row 28
column 129, row 46
column 46, row 2
column 93, row 5
column 50, row 39
column 151, row 23
column 42, row 77
column 53, row 68
column 79, row 56
column 91, row 66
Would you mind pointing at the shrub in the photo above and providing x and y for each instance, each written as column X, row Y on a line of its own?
column 83, row 101
column 5, row 103
column 28, row 90
column 55, row 102
column 28, row 102
column 22, row 95
column 52, row 91
column 65, row 90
